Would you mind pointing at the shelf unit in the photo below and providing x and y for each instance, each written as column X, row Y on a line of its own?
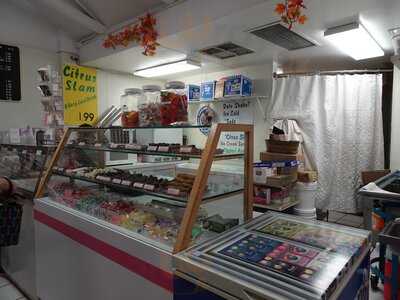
column 199, row 194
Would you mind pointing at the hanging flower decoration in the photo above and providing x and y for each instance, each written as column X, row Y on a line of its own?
column 143, row 33
column 291, row 12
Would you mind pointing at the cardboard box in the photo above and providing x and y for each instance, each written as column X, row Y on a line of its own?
column 238, row 85
column 269, row 156
column 307, row 176
column 279, row 181
column 262, row 171
column 207, row 90
column 219, row 88
column 193, row 92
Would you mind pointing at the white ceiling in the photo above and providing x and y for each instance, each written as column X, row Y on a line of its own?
column 106, row 12
column 114, row 12
column 196, row 24
column 377, row 15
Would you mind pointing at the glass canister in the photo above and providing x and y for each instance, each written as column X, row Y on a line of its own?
column 174, row 103
column 130, row 101
column 149, row 110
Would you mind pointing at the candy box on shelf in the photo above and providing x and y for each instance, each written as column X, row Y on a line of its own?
column 207, row 90
column 193, row 92
column 238, row 85
column 262, row 171
column 219, row 88
column 262, row 195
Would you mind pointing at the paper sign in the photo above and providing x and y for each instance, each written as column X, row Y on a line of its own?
column 80, row 95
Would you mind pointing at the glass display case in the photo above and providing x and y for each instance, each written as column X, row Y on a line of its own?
column 279, row 256
column 24, row 165
column 170, row 203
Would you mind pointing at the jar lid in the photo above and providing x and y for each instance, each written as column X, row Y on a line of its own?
column 133, row 91
column 175, row 85
column 151, row 88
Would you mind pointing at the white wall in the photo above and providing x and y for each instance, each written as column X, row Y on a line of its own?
column 262, row 80
column 38, row 43
column 395, row 141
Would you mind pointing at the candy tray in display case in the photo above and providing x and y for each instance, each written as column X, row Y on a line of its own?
column 167, row 206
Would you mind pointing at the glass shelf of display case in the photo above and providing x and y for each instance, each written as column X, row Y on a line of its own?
column 216, row 192
column 124, row 149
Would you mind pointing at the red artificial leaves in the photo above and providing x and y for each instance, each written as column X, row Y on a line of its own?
column 143, row 33
column 291, row 12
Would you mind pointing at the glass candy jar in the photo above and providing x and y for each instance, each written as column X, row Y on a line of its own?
column 149, row 111
column 174, row 103
column 130, row 102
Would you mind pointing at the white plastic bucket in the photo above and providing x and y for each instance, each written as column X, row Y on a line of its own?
column 306, row 193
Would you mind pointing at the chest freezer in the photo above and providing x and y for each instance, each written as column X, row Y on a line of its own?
column 279, row 256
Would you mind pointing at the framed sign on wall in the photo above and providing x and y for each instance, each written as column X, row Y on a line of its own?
column 10, row 74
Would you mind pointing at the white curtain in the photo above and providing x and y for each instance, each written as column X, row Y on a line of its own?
column 340, row 119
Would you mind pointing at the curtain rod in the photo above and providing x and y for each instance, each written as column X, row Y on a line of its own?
column 374, row 71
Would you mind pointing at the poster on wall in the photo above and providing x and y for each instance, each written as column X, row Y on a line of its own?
column 10, row 77
column 235, row 112
column 80, row 95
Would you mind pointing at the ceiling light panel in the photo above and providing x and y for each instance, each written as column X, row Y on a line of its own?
column 169, row 68
column 354, row 40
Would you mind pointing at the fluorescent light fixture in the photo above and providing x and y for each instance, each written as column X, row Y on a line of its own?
column 169, row 68
column 354, row 40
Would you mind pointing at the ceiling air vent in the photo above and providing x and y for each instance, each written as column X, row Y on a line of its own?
column 226, row 50
column 281, row 36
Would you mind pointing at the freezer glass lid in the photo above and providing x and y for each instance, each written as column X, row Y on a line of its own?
column 322, row 237
column 316, row 268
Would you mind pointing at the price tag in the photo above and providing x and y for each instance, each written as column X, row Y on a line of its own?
column 38, row 152
column 116, row 181
column 97, row 145
column 173, row 191
column 82, row 144
column 152, row 148
column 138, row 185
column 186, row 149
column 113, row 146
column 149, row 187
column 104, row 178
column 133, row 147
column 163, row 149
column 126, row 182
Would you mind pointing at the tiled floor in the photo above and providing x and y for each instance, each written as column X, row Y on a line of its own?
column 8, row 291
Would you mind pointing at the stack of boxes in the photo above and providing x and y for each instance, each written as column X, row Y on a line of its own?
column 276, row 175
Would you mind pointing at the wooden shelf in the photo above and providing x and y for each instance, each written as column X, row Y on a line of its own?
column 277, row 207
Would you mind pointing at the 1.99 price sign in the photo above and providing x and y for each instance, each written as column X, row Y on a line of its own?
column 86, row 117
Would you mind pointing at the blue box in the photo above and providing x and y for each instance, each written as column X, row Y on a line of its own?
column 207, row 90
column 193, row 92
column 238, row 85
